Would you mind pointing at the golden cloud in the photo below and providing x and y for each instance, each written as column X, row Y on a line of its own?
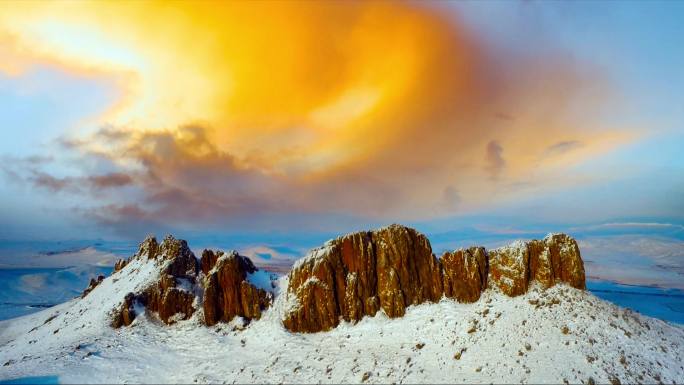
column 385, row 109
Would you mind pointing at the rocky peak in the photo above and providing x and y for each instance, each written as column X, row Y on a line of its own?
column 172, row 296
column 219, row 283
column 392, row 268
column 148, row 248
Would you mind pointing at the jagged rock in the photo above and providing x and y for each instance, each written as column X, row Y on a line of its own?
column 148, row 248
column 391, row 268
column 360, row 273
column 227, row 292
column 120, row 264
column 92, row 285
column 509, row 268
column 465, row 273
column 348, row 278
column 172, row 296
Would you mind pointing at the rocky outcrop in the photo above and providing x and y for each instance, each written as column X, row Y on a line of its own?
column 93, row 283
column 173, row 295
column 348, row 278
column 556, row 259
column 120, row 264
column 125, row 314
column 219, row 283
column 359, row 274
column 227, row 291
column 392, row 268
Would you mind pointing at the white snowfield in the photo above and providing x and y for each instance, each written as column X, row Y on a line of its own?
column 553, row 336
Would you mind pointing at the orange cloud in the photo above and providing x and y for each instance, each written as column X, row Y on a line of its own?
column 382, row 109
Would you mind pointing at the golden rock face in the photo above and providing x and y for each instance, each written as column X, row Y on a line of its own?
column 227, row 293
column 509, row 269
column 393, row 267
column 361, row 273
column 464, row 273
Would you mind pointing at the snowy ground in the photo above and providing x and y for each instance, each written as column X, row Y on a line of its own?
column 557, row 335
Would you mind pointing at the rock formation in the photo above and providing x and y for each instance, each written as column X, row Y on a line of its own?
column 509, row 268
column 120, row 264
column 348, row 278
column 359, row 274
column 218, row 283
column 93, row 283
column 172, row 296
column 393, row 267
column 227, row 292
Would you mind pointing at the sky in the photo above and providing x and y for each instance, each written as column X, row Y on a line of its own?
column 288, row 122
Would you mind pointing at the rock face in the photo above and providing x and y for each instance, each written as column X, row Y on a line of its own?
column 465, row 273
column 393, row 267
column 228, row 293
column 359, row 274
column 218, row 283
column 509, row 268
column 557, row 259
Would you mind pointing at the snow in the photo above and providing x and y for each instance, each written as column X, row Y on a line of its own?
column 314, row 255
column 262, row 279
column 500, row 339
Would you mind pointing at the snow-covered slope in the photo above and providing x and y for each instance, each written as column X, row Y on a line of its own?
column 561, row 334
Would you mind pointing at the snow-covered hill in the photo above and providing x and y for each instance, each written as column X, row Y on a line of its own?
column 549, row 334
column 557, row 335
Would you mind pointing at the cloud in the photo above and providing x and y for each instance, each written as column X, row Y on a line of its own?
column 563, row 147
column 359, row 109
column 495, row 162
column 451, row 198
column 75, row 184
